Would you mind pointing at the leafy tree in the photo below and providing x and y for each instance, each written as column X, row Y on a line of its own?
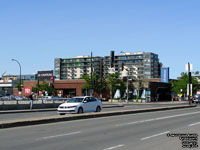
column 92, row 83
column 44, row 87
column 176, row 86
column 114, row 83
column 18, row 85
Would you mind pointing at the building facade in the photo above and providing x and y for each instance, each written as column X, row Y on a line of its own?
column 8, row 82
column 74, row 68
column 140, row 65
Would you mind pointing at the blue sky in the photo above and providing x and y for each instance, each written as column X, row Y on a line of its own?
column 36, row 31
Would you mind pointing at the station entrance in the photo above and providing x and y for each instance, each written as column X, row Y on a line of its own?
column 69, row 93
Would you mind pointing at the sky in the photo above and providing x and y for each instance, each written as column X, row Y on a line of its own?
column 35, row 32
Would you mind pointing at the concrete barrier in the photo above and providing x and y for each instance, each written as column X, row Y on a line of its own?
column 22, row 105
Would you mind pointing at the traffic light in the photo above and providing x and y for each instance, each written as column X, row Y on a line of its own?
column 112, row 57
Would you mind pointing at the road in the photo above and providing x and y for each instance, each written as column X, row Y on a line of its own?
column 126, row 132
column 107, row 107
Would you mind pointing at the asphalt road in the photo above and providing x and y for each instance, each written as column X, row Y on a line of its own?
column 126, row 132
column 108, row 107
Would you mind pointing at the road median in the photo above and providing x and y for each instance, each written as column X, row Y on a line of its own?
column 69, row 117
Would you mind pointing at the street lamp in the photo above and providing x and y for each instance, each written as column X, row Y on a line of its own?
column 189, row 84
column 91, row 63
column 20, row 78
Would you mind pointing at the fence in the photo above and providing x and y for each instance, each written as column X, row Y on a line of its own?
column 27, row 101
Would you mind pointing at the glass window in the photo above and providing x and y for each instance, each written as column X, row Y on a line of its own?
column 140, row 56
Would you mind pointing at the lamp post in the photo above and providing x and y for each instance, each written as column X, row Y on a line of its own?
column 127, row 78
column 189, row 84
column 91, row 74
column 20, row 78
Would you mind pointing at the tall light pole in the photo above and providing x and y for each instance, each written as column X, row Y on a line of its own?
column 20, row 76
column 92, row 84
column 189, row 84
column 127, row 78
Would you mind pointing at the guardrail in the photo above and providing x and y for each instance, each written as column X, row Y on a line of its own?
column 36, row 101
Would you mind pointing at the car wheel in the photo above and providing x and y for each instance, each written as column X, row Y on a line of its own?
column 80, row 110
column 98, row 109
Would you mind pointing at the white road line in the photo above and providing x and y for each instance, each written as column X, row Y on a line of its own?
column 114, row 147
column 154, row 135
column 197, row 123
column 154, row 119
column 60, row 135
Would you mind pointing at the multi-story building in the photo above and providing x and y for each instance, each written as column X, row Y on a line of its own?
column 74, row 68
column 139, row 65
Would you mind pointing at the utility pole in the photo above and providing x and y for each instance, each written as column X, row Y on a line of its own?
column 127, row 86
column 127, row 75
column 92, row 88
column 189, row 84
column 101, row 77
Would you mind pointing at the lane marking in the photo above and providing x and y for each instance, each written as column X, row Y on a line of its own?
column 114, row 147
column 60, row 135
column 155, row 135
column 154, row 119
column 197, row 123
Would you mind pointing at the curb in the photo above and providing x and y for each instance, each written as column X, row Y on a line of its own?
column 52, row 119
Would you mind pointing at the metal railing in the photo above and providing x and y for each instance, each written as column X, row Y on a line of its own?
column 36, row 101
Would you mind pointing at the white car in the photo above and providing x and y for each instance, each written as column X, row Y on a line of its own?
column 80, row 105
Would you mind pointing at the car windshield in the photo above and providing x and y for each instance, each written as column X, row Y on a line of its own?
column 75, row 100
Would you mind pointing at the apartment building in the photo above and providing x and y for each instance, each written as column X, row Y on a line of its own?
column 74, row 68
column 139, row 65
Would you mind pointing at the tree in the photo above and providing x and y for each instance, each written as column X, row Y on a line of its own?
column 44, row 87
column 93, row 82
column 18, row 85
column 177, row 85
column 114, row 83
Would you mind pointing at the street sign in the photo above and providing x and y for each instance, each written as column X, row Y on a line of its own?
column 27, row 90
